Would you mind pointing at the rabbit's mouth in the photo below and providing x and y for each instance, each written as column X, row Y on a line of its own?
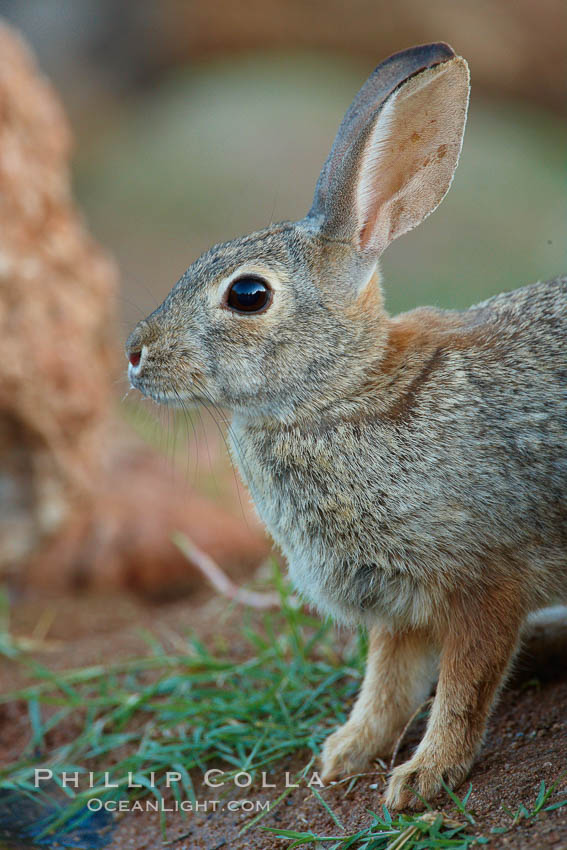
column 163, row 392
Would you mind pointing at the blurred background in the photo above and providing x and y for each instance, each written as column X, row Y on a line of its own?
column 195, row 121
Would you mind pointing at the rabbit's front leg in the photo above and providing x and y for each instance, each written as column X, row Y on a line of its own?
column 478, row 646
column 400, row 670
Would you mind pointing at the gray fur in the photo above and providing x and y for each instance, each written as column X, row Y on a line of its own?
column 374, row 513
column 387, row 488
column 413, row 470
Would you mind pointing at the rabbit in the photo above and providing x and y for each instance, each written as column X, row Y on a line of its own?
column 412, row 469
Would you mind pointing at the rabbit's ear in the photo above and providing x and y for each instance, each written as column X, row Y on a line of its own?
column 396, row 150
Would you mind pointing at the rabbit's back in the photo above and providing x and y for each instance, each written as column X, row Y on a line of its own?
column 536, row 312
column 514, row 356
column 453, row 470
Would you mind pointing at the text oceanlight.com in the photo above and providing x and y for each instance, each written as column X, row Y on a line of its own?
column 95, row 804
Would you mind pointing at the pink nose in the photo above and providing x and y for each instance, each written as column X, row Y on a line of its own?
column 135, row 357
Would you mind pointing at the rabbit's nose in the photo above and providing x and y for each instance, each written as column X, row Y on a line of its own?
column 135, row 344
column 134, row 357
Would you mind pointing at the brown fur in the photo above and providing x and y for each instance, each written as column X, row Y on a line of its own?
column 477, row 647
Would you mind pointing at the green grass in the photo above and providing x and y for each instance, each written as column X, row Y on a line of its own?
column 431, row 831
column 541, row 804
column 189, row 710
column 279, row 692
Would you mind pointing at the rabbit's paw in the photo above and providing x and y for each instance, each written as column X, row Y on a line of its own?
column 423, row 777
column 347, row 751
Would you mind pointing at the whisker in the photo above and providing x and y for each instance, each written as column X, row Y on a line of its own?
column 226, row 422
column 170, row 438
column 204, row 431
column 237, row 448
column 164, row 398
column 189, row 422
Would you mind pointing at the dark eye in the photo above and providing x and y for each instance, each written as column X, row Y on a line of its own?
column 249, row 295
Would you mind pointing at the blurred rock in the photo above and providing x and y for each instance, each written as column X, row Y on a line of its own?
column 56, row 318
column 125, row 539
column 75, row 505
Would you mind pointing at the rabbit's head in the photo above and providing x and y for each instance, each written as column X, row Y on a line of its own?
column 288, row 318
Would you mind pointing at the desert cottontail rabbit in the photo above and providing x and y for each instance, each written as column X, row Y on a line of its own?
column 412, row 469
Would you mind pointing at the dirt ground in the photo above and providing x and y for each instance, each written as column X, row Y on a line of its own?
column 526, row 741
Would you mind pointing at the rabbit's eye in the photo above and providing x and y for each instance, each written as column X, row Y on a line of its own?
column 249, row 295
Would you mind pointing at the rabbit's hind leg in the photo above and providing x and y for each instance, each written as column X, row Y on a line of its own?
column 479, row 644
column 400, row 671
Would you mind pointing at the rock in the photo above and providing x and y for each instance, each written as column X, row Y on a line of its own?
column 78, row 504
column 56, row 319
column 125, row 540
